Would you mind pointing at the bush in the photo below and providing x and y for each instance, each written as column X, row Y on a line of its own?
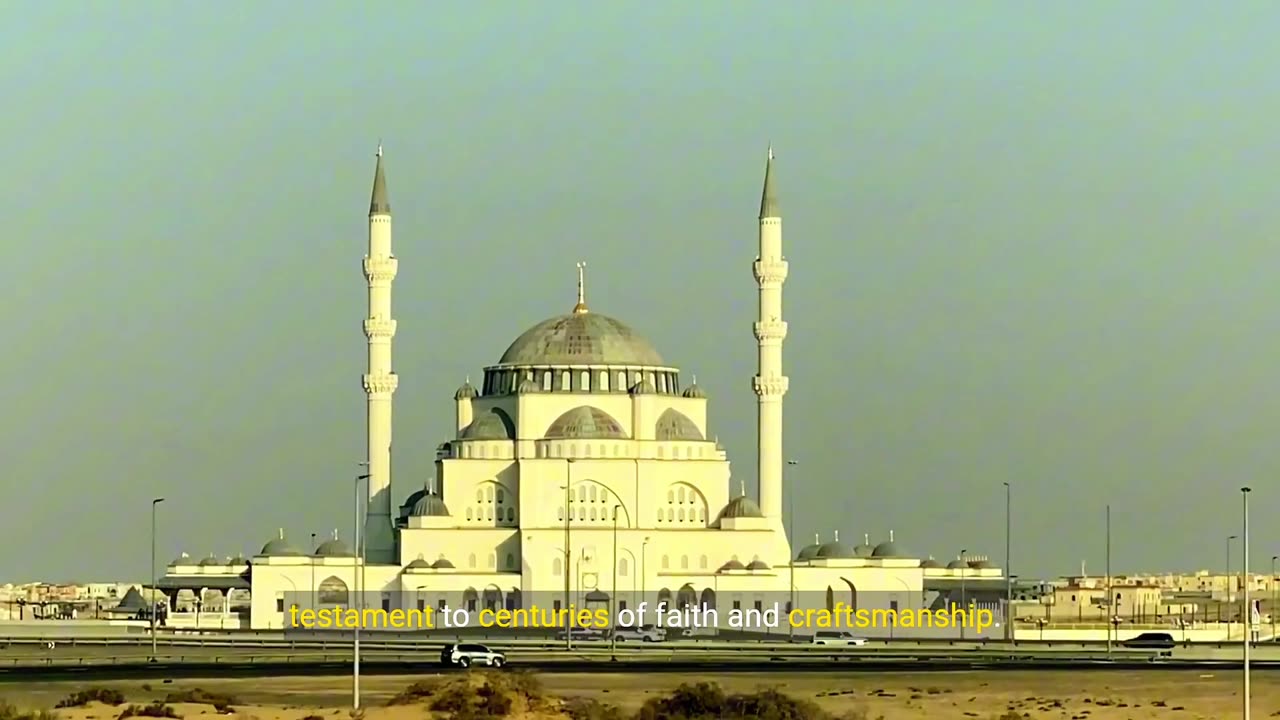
column 581, row 708
column 9, row 712
column 221, row 702
column 417, row 692
column 106, row 696
column 156, row 709
column 706, row 701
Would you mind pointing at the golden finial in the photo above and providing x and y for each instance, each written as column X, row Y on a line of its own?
column 581, row 307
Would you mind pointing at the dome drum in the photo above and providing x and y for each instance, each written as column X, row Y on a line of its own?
column 592, row 378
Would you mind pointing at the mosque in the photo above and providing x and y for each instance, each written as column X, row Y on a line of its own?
column 582, row 468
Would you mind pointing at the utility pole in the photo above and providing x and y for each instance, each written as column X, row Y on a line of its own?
column 1008, row 568
column 151, row 596
column 791, row 564
column 613, row 594
column 1271, row 583
column 359, row 603
column 964, row 597
column 568, row 557
column 1108, row 583
column 1246, row 606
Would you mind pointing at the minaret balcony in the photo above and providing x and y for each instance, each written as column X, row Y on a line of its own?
column 380, row 384
column 775, row 386
column 380, row 269
column 769, row 330
column 770, row 272
column 379, row 328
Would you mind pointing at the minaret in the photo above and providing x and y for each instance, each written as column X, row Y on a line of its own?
column 379, row 380
column 770, row 384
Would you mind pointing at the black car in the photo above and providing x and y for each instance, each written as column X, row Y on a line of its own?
column 1154, row 640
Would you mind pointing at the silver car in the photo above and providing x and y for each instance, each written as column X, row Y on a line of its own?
column 468, row 655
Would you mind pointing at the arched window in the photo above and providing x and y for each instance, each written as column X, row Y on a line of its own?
column 622, row 381
column 604, row 381
column 681, row 495
column 671, row 496
column 468, row 514
column 564, row 380
column 582, row 493
column 511, row 561
column 488, row 514
column 666, row 562
column 502, row 497
column 471, row 561
column 511, row 514
column 488, row 493
column 585, row 380
column 593, row 514
column 702, row 562
column 684, row 562
column 559, row 513
column 671, row 515
column 557, row 567
column 546, row 381
column 493, row 561
column 622, row 567
column 593, row 493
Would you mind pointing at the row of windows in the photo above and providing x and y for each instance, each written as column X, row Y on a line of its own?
column 588, row 514
column 488, row 514
column 488, row 494
column 505, row 450
column 557, row 567
column 502, row 382
column 509, row 562
column 682, row 515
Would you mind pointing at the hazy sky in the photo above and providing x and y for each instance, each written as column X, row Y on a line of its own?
column 1029, row 242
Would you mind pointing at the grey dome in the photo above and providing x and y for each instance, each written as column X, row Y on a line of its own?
column 586, row 423
column 333, row 548
column 211, row 560
column 675, row 425
column 888, row 549
column 277, row 547
column 466, row 391
column 418, row 564
column 930, row 564
column 442, row 563
column 758, row 565
column 528, row 386
column 693, row 391
column 863, row 550
column 429, row 506
column 581, row 338
column 957, row 565
column 979, row 564
column 808, row 552
column 491, row 425
column 741, row 507
column 644, row 387
column 239, row 559
column 732, row 565
column 183, row 559
column 834, row 550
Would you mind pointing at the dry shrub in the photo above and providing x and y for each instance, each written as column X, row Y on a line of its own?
column 707, row 701
column 156, row 709
column 9, row 712
column 477, row 695
column 106, row 696
column 221, row 702
column 582, row 708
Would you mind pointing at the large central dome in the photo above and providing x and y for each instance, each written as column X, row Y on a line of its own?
column 581, row 338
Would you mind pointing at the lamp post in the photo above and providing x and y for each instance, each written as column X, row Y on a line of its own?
column 1271, row 582
column 1246, row 607
column 613, row 595
column 151, row 598
column 964, row 599
column 1230, row 583
column 355, row 580
column 1108, row 583
column 315, row 598
column 568, row 557
column 644, row 577
column 791, row 564
column 1008, row 579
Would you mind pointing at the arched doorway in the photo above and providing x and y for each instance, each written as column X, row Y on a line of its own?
column 333, row 591
column 708, row 599
column 686, row 598
column 492, row 598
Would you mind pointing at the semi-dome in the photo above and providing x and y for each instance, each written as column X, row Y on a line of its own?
column 675, row 425
column 758, row 565
column 957, row 565
column 492, row 425
column 834, row 550
column 333, row 548
column 930, row 564
column 429, row 506
column 740, row 507
column 442, row 564
column 808, row 552
column 278, row 546
column 466, row 392
column 581, row 338
column 211, row 560
column 183, row 559
column 888, row 550
column 586, row 423
column 732, row 565
column 409, row 502
column 418, row 564
column 693, row 391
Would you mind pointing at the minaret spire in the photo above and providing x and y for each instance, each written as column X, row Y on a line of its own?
column 379, row 380
column 581, row 307
column 770, row 330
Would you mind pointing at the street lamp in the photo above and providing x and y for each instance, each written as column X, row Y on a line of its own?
column 568, row 558
column 151, row 598
column 315, row 599
column 1110, row 615
column 1230, row 584
column 356, row 573
column 644, row 554
column 964, row 599
column 1008, row 579
column 613, row 594
column 791, row 544
column 1247, row 607
column 1271, row 582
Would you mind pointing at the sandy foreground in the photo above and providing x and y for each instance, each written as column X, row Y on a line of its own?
column 982, row 695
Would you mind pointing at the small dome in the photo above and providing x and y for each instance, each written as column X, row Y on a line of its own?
column 930, row 564
column 430, row 506
column 757, row 565
column 888, row 550
column 644, row 387
column 278, row 546
column 466, row 392
column 864, row 549
column 581, row 338
column 741, row 507
column 211, row 560
column 957, row 565
column 586, row 423
column 732, row 565
column 333, row 548
column 834, row 550
column 675, row 425
column 418, row 564
column 410, row 501
column 491, row 425
column 183, row 559
column 808, row 552
column 238, row 559
column 442, row 564
column 979, row 564
column 693, row 391
column 528, row 386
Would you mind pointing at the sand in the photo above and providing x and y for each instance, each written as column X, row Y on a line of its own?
column 937, row 696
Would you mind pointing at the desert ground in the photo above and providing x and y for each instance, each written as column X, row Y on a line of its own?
column 937, row 696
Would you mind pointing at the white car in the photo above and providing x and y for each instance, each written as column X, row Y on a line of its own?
column 645, row 633
column 468, row 655
column 837, row 637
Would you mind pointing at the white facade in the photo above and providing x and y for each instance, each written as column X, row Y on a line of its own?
column 580, row 422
